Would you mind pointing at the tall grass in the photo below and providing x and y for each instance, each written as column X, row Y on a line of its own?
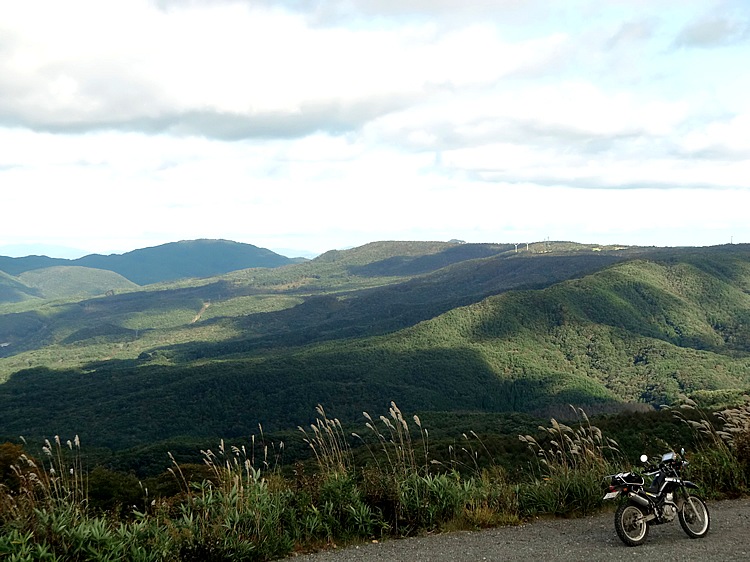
column 329, row 444
column 736, row 431
column 394, row 438
column 46, row 515
column 57, row 479
column 396, row 491
column 721, row 463
column 571, row 463
column 243, row 507
column 245, row 510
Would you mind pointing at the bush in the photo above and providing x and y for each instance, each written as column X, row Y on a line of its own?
column 425, row 502
column 492, row 500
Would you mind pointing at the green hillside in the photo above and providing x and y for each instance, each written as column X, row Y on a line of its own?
column 13, row 290
column 74, row 281
column 338, row 295
column 434, row 327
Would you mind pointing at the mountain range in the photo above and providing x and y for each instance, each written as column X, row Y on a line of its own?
column 438, row 327
column 167, row 262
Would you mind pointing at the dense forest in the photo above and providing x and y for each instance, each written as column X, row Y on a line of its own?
column 436, row 327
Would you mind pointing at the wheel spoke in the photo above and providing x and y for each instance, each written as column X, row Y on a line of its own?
column 631, row 525
column 694, row 509
column 694, row 517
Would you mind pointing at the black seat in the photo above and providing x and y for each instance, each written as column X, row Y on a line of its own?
column 631, row 478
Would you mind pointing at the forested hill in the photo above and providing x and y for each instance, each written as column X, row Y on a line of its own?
column 434, row 326
column 168, row 262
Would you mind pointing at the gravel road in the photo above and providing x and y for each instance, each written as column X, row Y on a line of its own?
column 588, row 538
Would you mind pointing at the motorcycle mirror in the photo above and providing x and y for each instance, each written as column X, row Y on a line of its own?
column 644, row 458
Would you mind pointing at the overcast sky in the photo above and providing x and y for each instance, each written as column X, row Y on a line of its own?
column 303, row 126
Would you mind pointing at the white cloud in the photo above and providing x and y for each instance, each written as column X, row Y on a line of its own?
column 716, row 29
column 141, row 67
column 321, row 125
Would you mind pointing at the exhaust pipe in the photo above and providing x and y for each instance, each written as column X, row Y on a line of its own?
column 640, row 500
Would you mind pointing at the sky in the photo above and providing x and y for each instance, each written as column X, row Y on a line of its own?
column 309, row 125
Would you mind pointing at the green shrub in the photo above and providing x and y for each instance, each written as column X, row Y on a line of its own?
column 345, row 513
column 571, row 493
column 428, row 501
column 21, row 546
column 492, row 500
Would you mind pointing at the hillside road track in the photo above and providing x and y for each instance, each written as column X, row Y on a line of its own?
column 584, row 539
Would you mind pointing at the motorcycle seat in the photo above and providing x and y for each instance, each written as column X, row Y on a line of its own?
column 631, row 478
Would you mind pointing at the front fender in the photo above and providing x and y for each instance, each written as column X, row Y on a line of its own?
column 689, row 484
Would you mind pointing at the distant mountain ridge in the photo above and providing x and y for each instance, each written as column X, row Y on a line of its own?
column 167, row 262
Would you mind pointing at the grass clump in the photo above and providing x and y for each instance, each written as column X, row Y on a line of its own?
column 395, row 492
column 46, row 515
column 721, row 463
column 571, row 463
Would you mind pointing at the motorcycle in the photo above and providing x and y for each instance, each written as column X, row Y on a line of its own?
column 668, row 496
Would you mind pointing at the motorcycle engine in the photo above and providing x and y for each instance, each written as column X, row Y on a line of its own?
column 668, row 509
column 668, row 512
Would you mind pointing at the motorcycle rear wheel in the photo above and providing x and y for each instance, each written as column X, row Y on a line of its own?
column 630, row 524
column 694, row 517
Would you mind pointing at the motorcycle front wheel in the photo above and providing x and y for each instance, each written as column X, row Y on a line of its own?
column 694, row 517
column 630, row 524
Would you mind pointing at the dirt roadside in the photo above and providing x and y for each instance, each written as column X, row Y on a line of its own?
column 588, row 538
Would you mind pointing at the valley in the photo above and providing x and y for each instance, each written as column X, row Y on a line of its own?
column 436, row 327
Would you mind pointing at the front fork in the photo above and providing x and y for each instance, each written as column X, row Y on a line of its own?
column 685, row 499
